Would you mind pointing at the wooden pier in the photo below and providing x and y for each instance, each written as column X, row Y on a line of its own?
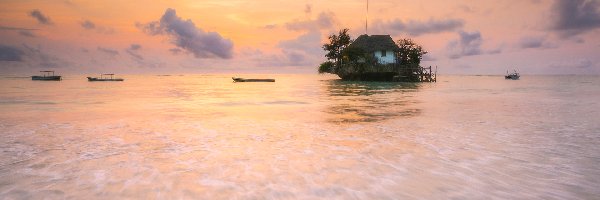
column 388, row 72
column 415, row 74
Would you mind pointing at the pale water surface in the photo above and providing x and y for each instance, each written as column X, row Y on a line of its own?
column 302, row 137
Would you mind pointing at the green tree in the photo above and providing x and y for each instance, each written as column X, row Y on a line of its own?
column 410, row 52
column 353, row 54
column 326, row 67
column 335, row 47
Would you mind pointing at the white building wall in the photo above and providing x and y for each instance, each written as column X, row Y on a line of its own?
column 387, row 59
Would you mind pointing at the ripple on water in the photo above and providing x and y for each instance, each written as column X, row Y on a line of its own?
column 340, row 140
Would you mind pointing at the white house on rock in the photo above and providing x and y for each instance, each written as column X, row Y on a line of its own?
column 382, row 47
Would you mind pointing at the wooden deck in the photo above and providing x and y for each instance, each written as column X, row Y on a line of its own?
column 390, row 72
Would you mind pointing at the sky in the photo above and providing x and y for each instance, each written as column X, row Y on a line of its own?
column 274, row 36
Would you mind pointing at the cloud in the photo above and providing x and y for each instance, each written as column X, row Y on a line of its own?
column 308, row 9
column 468, row 44
column 496, row 50
column 8, row 28
column 27, row 34
column 573, row 17
column 134, row 55
column 10, row 53
column 584, row 64
column 261, row 59
column 69, row 3
column 40, row 17
column 132, row 51
column 304, row 50
column 465, row 8
column 296, row 58
column 135, row 47
column 38, row 58
column 185, row 35
column 428, row 57
column 574, row 66
column 175, row 51
column 531, row 42
column 308, row 42
column 87, row 24
column 105, row 30
column 325, row 20
column 534, row 42
column 270, row 26
column 417, row 28
column 110, row 52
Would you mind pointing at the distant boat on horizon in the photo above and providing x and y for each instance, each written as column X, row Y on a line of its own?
column 251, row 80
column 103, row 77
column 46, row 76
column 512, row 76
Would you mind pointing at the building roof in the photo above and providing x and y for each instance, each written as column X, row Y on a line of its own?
column 374, row 43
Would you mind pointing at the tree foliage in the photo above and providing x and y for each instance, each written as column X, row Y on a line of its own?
column 326, row 67
column 410, row 52
column 353, row 54
column 336, row 45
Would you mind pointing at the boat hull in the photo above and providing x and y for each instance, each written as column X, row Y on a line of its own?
column 512, row 77
column 104, row 79
column 46, row 78
column 252, row 80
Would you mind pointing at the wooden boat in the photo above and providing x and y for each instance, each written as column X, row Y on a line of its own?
column 251, row 80
column 46, row 76
column 104, row 77
column 512, row 76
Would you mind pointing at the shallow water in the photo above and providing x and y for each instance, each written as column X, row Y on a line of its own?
column 302, row 137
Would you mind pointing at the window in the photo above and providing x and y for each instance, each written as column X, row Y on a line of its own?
column 383, row 53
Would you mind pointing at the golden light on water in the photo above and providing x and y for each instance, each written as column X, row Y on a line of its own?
column 304, row 136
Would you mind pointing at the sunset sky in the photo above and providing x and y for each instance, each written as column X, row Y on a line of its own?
column 272, row 36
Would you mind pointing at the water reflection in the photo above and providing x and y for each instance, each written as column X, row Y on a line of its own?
column 370, row 101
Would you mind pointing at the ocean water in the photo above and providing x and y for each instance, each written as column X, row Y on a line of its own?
column 302, row 137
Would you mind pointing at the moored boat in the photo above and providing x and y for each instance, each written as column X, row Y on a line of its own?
column 105, row 77
column 512, row 76
column 251, row 80
column 46, row 76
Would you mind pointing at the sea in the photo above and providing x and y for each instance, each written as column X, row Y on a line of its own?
column 197, row 136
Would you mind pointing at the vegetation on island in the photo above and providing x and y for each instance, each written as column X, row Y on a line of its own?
column 335, row 48
column 410, row 52
column 353, row 63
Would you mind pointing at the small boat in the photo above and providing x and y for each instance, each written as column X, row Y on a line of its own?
column 512, row 76
column 104, row 77
column 251, row 80
column 46, row 76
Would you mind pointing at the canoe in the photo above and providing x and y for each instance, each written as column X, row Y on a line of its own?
column 104, row 77
column 251, row 80
column 45, row 78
